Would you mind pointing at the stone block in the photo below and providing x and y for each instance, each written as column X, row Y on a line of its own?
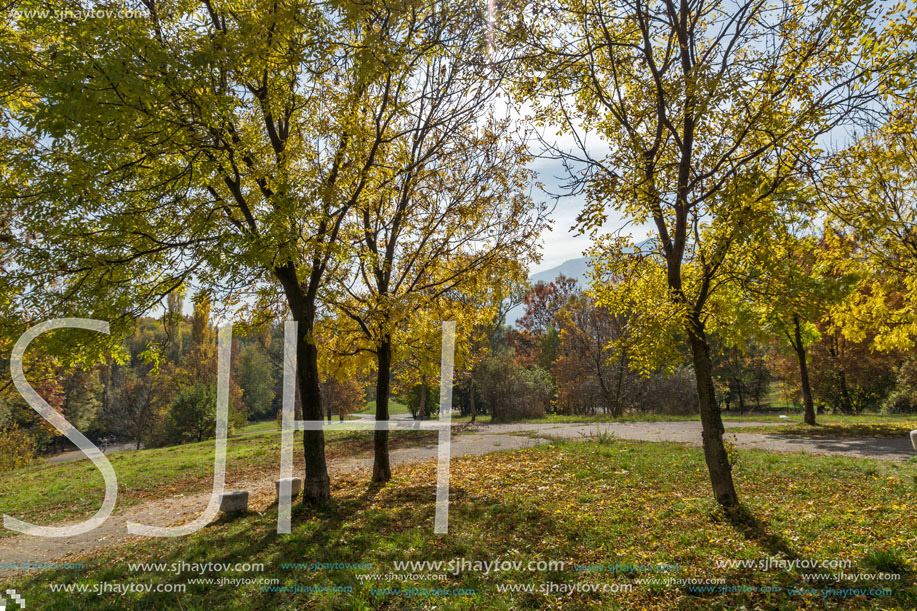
column 295, row 486
column 235, row 501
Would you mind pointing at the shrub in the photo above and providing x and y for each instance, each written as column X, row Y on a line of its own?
column 903, row 399
column 674, row 393
column 17, row 448
column 513, row 392
column 418, row 395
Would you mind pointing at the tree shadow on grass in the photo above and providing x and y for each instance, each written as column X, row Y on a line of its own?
column 756, row 531
column 355, row 529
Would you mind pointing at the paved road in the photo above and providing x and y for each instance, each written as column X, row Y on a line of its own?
column 689, row 432
column 685, row 431
column 78, row 454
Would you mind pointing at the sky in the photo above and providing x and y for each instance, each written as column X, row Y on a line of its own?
column 563, row 242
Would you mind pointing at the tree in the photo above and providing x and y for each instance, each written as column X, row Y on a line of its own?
column 740, row 371
column 202, row 144
column 484, row 330
column 706, row 108
column 81, row 390
column 17, row 449
column 592, row 369
column 256, row 377
column 172, row 319
column 792, row 292
column 417, row 359
column 193, row 413
column 343, row 397
column 849, row 376
column 135, row 411
column 452, row 202
column 870, row 195
column 538, row 341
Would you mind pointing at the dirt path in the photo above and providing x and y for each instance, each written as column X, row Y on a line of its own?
column 183, row 508
column 474, row 440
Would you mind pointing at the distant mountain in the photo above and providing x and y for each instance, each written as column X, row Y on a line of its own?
column 571, row 268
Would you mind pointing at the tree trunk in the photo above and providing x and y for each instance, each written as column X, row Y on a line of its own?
column 714, row 450
column 845, row 393
column 382, row 470
column 301, row 300
column 474, row 411
column 846, row 404
column 423, row 400
column 803, row 374
column 317, row 485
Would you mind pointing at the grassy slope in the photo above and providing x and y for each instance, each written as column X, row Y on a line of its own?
column 45, row 493
column 586, row 503
column 394, row 408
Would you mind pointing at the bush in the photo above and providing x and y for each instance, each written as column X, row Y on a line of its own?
column 17, row 449
column 900, row 402
column 675, row 393
column 414, row 396
column 513, row 392
column 903, row 399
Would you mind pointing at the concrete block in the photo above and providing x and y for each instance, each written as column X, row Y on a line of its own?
column 914, row 439
column 234, row 502
column 295, row 486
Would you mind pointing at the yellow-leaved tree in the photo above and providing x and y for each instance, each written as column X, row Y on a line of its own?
column 700, row 110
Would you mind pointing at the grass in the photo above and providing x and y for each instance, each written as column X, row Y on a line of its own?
column 582, row 504
column 872, row 425
column 46, row 493
column 259, row 427
column 394, row 408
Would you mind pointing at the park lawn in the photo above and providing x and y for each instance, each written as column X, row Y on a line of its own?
column 46, row 493
column 873, row 425
column 583, row 503
column 263, row 426
column 394, row 408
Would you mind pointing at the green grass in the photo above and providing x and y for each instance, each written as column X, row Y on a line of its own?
column 45, row 493
column 611, row 503
column 259, row 427
column 872, row 425
column 394, row 408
